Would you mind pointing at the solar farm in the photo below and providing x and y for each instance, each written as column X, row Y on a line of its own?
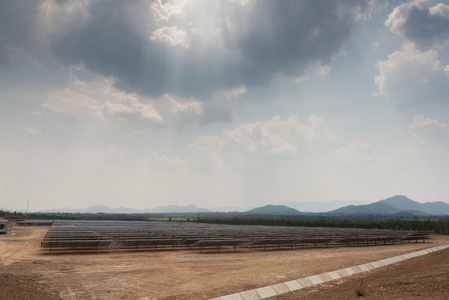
column 138, row 235
column 163, row 260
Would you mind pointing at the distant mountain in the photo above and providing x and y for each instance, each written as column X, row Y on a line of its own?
column 125, row 210
column 177, row 209
column 274, row 210
column 403, row 203
column 373, row 208
column 393, row 205
column 230, row 209
column 96, row 209
column 321, row 206
column 396, row 204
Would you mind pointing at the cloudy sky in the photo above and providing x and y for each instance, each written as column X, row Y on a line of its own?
column 222, row 103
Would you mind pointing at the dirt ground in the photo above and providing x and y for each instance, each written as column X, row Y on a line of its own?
column 29, row 272
column 425, row 277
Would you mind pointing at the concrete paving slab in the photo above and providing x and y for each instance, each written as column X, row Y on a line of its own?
column 380, row 263
column 325, row 277
column 305, row 282
column 250, row 295
column 334, row 275
column 293, row 285
column 390, row 260
column 364, row 268
column 370, row 266
column 266, row 292
column 342, row 273
column 350, row 271
column 375, row 264
column 315, row 279
column 394, row 259
column 280, row 288
column 232, row 297
column 357, row 269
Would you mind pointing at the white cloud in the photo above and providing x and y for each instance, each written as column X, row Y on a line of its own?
column 420, row 25
column 172, row 36
column 184, row 106
column 421, row 121
column 260, row 141
column 130, row 111
column 412, row 76
column 316, row 70
column 164, row 11
column 415, row 74
column 234, row 93
column 123, row 108
column 164, row 161
column 429, row 131
column 33, row 131
column 366, row 9
column 356, row 151
column 70, row 102
column 99, row 98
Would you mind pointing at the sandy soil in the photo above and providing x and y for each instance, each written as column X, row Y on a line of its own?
column 29, row 272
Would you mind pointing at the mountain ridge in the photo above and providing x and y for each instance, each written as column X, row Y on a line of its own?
column 273, row 210
column 396, row 204
column 392, row 205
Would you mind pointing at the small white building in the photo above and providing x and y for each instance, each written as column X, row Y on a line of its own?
column 3, row 226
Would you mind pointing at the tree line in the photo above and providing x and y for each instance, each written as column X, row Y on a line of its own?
column 436, row 226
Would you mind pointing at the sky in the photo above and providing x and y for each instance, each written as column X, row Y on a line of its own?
column 223, row 103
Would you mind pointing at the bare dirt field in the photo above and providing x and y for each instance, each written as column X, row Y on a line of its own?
column 29, row 272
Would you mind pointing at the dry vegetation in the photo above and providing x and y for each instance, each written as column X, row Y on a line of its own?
column 29, row 272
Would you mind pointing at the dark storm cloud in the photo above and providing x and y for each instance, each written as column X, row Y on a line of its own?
column 417, row 23
column 285, row 37
column 267, row 38
column 104, row 40
column 17, row 19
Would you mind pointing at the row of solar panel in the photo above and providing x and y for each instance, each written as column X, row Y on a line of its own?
column 116, row 234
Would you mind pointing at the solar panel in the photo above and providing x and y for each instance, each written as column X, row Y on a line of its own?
column 81, row 234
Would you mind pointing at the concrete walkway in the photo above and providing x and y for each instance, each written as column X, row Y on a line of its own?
column 289, row 286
